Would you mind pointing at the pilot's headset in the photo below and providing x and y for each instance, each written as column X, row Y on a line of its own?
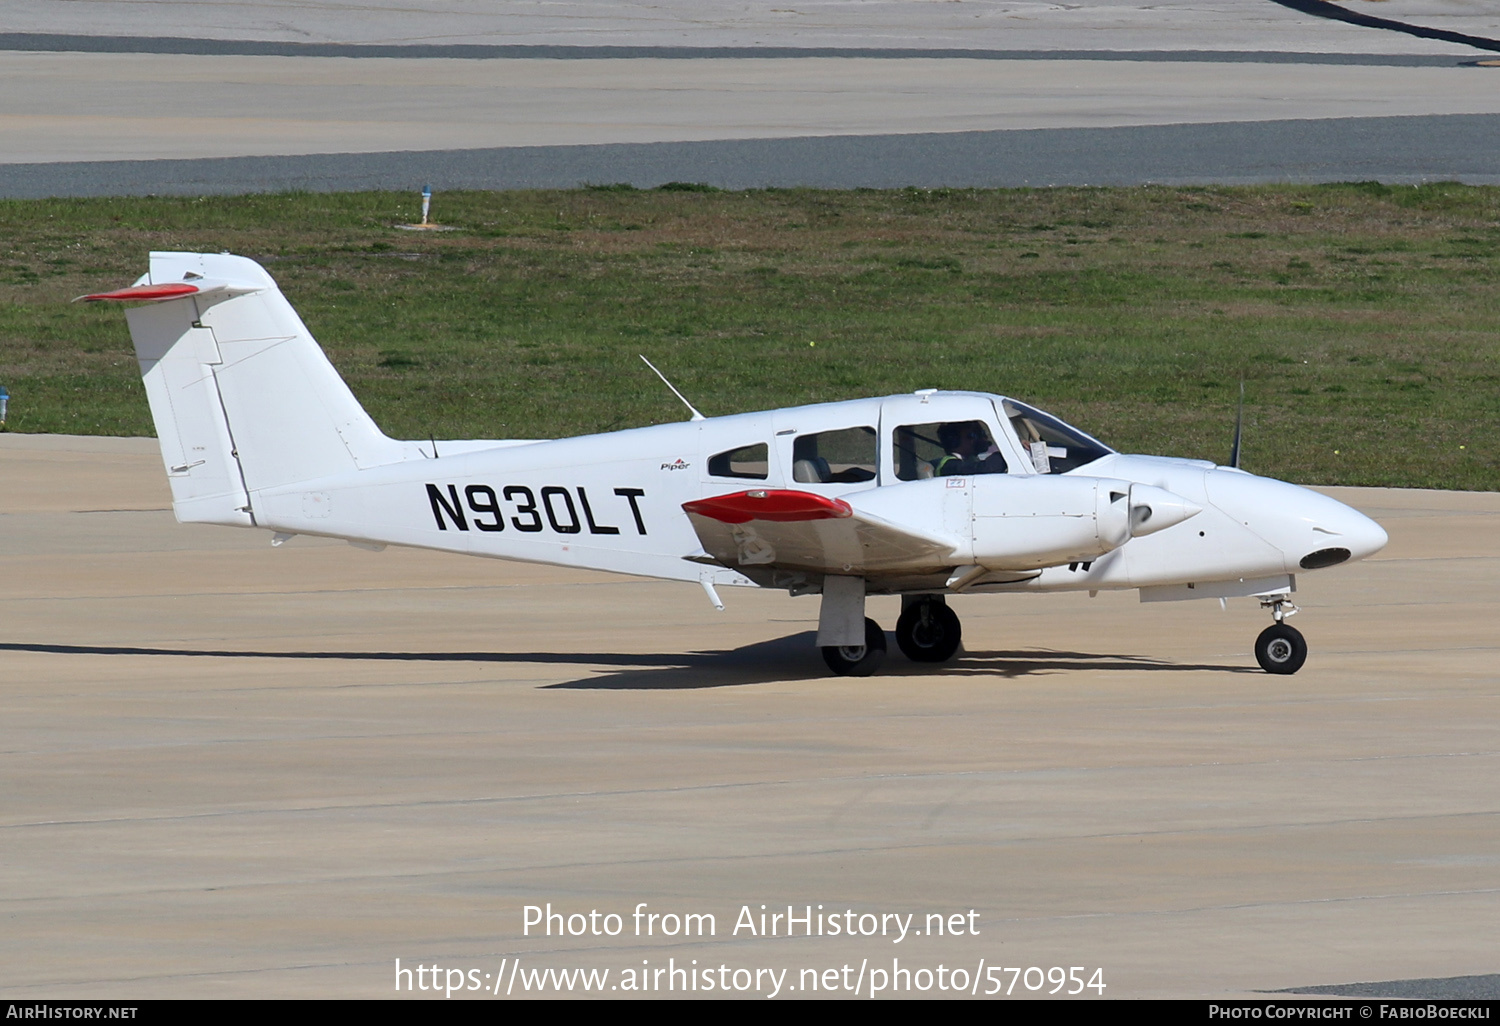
column 950, row 433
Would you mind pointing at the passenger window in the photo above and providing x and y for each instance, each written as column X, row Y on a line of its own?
column 834, row 457
column 945, row 449
column 752, row 461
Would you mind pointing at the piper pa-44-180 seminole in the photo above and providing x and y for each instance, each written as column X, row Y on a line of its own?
column 924, row 495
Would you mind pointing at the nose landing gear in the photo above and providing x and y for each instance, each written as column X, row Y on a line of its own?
column 1280, row 647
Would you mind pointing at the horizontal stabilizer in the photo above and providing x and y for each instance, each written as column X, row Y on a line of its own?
column 171, row 290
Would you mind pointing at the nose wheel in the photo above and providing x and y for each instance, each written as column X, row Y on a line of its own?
column 1280, row 647
column 928, row 631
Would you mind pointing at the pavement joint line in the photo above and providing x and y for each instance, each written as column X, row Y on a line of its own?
column 300, row 739
column 1063, row 916
column 811, row 780
column 44, row 985
column 1255, row 905
column 116, row 596
column 21, row 42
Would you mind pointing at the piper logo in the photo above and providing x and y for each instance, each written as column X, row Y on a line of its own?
column 677, row 464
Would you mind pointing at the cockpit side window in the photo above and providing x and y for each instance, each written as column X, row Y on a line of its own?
column 751, row 461
column 945, row 449
column 834, row 457
column 1054, row 447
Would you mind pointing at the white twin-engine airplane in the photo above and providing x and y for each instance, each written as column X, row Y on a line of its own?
column 924, row 496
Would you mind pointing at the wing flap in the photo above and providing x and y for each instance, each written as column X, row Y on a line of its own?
column 796, row 530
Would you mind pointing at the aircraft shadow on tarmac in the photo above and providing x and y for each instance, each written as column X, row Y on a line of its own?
column 791, row 658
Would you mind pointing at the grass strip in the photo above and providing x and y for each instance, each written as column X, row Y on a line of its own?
column 1362, row 317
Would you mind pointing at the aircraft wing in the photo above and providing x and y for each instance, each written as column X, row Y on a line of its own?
column 798, row 530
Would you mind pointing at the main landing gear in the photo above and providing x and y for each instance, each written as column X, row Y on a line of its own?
column 928, row 632
column 1280, row 647
column 858, row 660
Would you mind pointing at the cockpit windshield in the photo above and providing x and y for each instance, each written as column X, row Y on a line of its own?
column 1054, row 447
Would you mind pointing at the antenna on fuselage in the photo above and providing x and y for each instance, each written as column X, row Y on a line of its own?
column 1239, row 424
column 695, row 414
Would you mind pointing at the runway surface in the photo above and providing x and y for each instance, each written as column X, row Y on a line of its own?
column 100, row 97
column 233, row 770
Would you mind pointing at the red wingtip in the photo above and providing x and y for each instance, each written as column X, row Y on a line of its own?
column 780, row 505
column 143, row 293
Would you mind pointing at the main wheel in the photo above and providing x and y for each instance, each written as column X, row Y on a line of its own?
column 928, row 632
column 858, row 660
column 1280, row 649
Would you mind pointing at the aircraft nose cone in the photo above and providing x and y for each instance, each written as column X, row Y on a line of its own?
column 1342, row 534
column 1153, row 509
column 1363, row 536
column 1312, row 530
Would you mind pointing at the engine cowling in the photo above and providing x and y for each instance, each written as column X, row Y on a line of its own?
column 1030, row 522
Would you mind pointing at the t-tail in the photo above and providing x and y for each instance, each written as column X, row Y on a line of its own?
column 243, row 398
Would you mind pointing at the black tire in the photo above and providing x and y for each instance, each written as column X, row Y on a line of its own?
column 928, row 632
column 858, row 660
column 1280, row 649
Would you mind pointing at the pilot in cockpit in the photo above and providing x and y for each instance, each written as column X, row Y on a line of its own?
column 969, row 449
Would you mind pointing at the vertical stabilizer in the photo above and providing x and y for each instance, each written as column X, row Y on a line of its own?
column 242, row 396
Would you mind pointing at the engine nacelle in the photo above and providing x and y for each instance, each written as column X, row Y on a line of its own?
column 1030, row 522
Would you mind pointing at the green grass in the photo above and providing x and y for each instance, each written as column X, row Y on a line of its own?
column 1362, row 317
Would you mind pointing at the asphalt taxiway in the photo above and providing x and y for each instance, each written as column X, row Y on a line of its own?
column 233, row 770
column 102, row 98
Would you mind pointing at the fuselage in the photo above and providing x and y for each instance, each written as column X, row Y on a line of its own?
column 615, row 501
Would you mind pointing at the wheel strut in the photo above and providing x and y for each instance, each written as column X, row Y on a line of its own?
column 1281, row 606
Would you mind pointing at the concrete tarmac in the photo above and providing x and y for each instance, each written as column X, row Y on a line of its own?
column 74, row 107
column 233, row 770
column 971, row 24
